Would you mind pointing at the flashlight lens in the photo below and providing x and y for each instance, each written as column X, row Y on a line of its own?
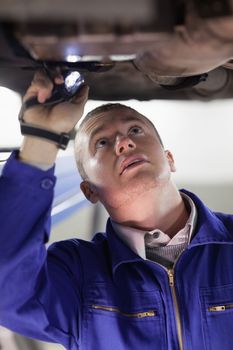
column 73, row 81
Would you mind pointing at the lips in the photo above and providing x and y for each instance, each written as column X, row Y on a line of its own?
column 130, row 161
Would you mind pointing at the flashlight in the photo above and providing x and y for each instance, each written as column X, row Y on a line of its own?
column 73, row 81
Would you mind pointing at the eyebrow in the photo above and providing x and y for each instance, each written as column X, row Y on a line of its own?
column 102, row 127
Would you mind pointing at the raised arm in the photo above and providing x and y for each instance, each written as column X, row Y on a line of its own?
column 38, row 294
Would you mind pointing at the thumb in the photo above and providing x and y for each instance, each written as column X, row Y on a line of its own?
column 82, row 95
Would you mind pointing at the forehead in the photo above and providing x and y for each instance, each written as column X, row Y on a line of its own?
column 104, row 120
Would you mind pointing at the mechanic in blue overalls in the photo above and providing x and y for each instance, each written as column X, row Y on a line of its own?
column 160, row 277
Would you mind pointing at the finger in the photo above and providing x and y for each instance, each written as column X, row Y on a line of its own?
column 82, row 94
column 41, row 93
column 41, row 79
column 41, row 87
column 59, row 79
column 78, row 103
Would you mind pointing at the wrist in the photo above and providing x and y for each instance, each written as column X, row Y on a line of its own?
column 39, row 152
column 60, row 139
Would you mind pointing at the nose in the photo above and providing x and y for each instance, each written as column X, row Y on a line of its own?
column 123, row 145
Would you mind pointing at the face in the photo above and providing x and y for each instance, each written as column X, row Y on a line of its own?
column 122, row 157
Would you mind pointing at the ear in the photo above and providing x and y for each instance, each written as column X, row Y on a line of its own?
column 89, row 191
column 170, row 161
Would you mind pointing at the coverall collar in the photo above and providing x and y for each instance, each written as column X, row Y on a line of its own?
column 209, row 230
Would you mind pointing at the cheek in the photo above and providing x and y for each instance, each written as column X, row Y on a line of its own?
column 161, row 162
column 96, row 170
column 91, row 167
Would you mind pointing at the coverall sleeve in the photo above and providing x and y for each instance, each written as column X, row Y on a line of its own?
column 39, row 294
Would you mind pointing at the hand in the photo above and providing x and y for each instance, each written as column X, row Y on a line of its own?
column 59, row 118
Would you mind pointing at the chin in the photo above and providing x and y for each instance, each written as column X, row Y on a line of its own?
column 139, row 186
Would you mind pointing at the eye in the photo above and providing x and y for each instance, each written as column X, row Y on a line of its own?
column 101, row 143
column 135, row 130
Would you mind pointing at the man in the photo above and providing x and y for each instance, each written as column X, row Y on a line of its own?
column 160, row 278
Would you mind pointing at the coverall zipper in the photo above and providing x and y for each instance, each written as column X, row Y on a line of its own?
column 170, row 273
column 217, row 308
column 142, row 314
column 177, row 312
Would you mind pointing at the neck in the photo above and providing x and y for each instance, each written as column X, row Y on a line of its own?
column 163, row 208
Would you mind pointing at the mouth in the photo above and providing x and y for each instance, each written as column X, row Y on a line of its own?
column 131, row 162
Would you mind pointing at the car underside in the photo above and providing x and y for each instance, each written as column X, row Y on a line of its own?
column 126, row 49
